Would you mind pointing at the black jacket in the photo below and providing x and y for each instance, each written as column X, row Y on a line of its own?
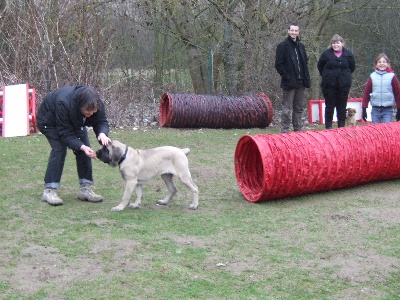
column 286, row 63
column 59, row 117
column 336, row 70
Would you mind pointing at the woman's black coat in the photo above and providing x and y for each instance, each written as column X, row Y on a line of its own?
column 59, row 117
column 336, row 70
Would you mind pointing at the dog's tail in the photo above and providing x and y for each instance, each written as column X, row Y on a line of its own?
column 185, row 150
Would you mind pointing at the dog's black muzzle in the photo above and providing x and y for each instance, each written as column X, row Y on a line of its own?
column 103, row 154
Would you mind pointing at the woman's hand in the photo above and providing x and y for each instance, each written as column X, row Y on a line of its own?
column 88, row 151
column 103, row 139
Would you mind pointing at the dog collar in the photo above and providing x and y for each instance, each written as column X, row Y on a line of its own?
column 123, row 156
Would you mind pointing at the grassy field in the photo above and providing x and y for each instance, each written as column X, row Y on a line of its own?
column 342, row 244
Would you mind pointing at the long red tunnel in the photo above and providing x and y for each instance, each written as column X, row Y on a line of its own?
column 208, row 111
column 274, row 166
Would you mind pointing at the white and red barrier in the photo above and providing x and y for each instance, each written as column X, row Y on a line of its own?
column 17, row 110
column 316, row 110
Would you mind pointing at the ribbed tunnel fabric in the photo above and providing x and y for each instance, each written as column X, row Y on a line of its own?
column 272, row 166
column 208, row 111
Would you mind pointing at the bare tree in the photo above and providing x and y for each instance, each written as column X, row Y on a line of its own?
column 135, row 50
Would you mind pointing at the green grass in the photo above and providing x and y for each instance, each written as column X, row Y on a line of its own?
column 341, row 244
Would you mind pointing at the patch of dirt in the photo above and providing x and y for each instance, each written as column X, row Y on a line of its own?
column 189, row 241
column 238, row 267
column 40, row 266
column 363, row 293
column 235, row 267
column 355, row 262
column 358, row 266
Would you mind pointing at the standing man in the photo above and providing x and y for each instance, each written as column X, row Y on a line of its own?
column 291, row 62
column 62, row 118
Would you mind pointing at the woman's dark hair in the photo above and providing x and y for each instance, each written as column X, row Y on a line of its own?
column 89, row 99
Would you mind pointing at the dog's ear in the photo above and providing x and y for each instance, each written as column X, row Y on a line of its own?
column 117, row 154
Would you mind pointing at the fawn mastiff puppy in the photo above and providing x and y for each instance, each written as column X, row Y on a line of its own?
column 138, row 166
column 351, row 117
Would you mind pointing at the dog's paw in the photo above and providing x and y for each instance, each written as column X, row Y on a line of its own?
column 134, row 205
column 193, row 207
column 117, row 208
column 162, row 202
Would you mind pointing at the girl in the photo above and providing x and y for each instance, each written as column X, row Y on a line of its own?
column 383, row 91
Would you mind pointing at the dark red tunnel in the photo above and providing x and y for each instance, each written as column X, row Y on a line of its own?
column 208, row 111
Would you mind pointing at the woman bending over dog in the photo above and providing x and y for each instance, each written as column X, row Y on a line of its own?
column 62, row 117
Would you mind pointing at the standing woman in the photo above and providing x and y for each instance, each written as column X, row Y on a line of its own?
column 336, row 65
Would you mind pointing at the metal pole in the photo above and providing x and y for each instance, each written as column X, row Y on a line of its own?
column 48, row 84
column 211, row 64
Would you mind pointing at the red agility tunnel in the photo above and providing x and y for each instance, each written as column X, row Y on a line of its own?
column 208, row 111
column 274, row 166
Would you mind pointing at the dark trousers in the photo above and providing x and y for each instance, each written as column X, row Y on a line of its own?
column 292, row 109
column 56, row 162
column 335, row 97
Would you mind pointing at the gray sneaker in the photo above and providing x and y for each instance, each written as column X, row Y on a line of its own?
column 50, row 196
column 86, row 194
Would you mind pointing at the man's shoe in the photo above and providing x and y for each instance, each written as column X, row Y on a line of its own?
column 86, row 194
column 50, row 196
